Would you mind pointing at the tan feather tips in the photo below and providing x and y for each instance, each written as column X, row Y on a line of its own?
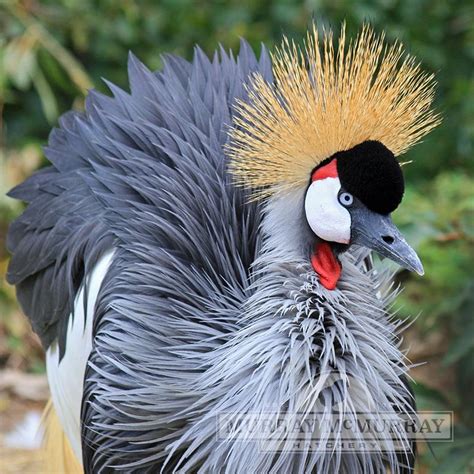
column 326, row 99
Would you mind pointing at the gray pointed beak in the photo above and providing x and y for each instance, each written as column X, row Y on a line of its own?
column 378, row 232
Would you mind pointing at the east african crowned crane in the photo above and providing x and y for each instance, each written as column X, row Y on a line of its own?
column 199, row 251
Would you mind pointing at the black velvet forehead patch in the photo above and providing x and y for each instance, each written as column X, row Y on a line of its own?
column 371, row 172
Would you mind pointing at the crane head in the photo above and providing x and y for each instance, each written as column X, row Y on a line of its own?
column 348, row 201
column 336, row 116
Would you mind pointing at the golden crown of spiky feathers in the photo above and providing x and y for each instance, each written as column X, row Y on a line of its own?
column 324, row 101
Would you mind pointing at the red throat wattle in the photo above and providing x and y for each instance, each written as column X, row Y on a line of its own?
column 326, row 265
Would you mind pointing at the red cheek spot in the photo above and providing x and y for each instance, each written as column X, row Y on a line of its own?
column 326, row 265
column 326, row 171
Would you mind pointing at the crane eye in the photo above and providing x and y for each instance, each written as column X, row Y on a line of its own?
column 346, row 199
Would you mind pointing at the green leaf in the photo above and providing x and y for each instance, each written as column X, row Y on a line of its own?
column 459, row 459
column 428, row 398
column 46, row 95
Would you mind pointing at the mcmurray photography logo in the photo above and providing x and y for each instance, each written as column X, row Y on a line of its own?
column 336, row 431
column 350, row 419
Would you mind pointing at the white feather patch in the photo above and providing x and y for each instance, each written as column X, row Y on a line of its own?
column 66, row 378
column 328, row 219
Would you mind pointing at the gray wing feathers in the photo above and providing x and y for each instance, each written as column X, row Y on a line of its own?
column 59, row 235
column 107, row 162
column 181, row 273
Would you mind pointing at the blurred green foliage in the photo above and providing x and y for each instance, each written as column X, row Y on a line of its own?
column 52, row 51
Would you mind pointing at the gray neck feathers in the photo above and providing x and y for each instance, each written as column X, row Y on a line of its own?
column 303, row 349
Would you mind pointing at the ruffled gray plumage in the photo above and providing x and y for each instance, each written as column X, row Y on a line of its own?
column 196, row 319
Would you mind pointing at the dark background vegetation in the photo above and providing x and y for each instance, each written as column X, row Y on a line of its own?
column 51, row 52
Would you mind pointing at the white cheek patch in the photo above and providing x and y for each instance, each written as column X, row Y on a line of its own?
column 328, row 219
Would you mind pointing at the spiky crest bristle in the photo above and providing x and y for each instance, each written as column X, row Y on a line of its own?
column 324, row 101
